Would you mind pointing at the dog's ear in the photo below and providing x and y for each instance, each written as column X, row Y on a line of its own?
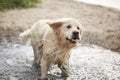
column 55, row 25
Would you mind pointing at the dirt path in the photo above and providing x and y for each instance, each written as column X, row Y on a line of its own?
column 101, row 25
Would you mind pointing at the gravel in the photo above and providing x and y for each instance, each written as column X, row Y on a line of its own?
column 87, row 62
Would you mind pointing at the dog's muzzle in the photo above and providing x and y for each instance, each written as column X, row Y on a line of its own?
column 75, row 37
column 73, row 40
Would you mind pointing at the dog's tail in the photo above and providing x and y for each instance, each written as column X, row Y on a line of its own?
column 26, row 35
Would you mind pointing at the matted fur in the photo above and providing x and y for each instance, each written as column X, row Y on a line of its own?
column 52, row 41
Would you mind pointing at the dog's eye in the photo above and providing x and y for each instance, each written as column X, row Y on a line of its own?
column 69, row 26
column 78, row 28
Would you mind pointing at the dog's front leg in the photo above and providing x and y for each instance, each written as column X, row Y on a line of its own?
column 64, row 68
column 44, row 69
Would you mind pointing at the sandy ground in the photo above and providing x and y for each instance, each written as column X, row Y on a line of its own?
column 87, row 62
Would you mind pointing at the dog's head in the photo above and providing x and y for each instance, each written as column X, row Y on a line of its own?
column 68, row 30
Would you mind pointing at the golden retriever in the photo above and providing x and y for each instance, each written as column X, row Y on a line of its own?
column 52, row 41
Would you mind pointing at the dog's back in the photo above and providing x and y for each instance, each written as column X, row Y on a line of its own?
column 39, row 29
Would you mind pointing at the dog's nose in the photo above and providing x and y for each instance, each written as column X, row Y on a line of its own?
column 75, row 33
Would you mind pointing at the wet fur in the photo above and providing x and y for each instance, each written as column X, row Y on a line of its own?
column 49, row 45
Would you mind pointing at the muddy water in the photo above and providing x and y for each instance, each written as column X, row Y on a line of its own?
column 87, row 62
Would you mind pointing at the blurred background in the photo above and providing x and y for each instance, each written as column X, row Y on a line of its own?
column 107, row 3
column 101, row 20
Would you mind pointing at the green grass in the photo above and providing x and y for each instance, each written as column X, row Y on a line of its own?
column 11, row 4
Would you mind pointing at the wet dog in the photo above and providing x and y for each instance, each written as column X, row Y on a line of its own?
column 52, row 41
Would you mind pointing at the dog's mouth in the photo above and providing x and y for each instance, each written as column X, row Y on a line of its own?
column 73, row 40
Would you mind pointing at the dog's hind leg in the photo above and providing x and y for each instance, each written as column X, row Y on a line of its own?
column 44, row 68
column 36, row 58
column 38, row 51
